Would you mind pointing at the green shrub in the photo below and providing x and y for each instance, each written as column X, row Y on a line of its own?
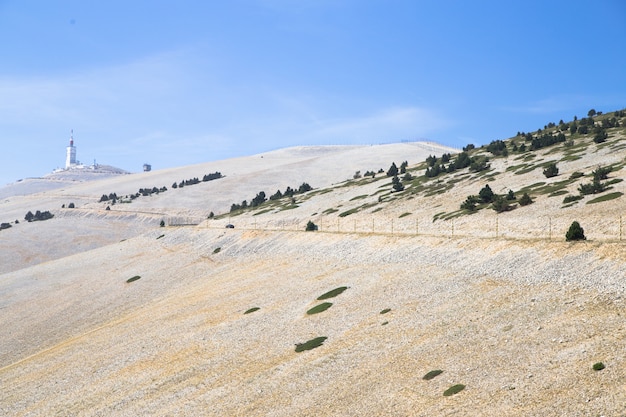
column 598, row 366
column 160, row 236
column 500, row 204
column 217, row 250
column 319, row 308
column 486, row 194
column 470, row 203
column 572, row 198
column 525, row 200
column 432, row 374
column 310, row 344
column 252, row 310
column 385, row 311
column 454, row 389
column 575, row 232
column 310, row 226
column 332, row 293
column 551, row 170
column 135, row 278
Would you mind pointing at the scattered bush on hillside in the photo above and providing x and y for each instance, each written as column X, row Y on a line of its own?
column 468, row 147
column 497, row 148
column 311, row 344
column 393, row 170
column 310, row 227
column 397, row 184
column 252, row 310
column 332, row 293
column 598, row 366
column 511, row 196
column 546, row 139
column 600, row 136
column 261, row 197
column 38, row 216
column 135, row 278
column 319, row 308
column 432, row 374
column 486, row 194
column 576, row 175
column 454, row 389
column 596, row 186
column 551, row 170
column 385, row 311
column 500, row 204
column 572, row 198
column 5, row 226
column 575, row 232
column 479, row 163
column 525, row 200
column 470, row 203
column 162, row 224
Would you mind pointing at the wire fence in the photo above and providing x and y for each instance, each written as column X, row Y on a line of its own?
column 599, row 228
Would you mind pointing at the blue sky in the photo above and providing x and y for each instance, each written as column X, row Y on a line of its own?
column 177, row 83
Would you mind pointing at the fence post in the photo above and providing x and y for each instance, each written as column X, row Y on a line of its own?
column 549, row 228
column 496, row 225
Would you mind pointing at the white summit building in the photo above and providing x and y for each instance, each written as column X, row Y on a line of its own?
column 70, row 156
column 76, row 171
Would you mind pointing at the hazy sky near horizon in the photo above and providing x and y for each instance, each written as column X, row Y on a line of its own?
column 178, row 83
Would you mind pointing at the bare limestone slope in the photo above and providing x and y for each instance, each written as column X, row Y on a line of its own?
column 212, row 320
column 519, row 324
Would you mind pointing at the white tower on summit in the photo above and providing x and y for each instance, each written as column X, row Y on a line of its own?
column 70, row 156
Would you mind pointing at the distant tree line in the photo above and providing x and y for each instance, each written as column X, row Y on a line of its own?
column 38, row 216
column 261, row 197
column 193, row 181
column 148, row 191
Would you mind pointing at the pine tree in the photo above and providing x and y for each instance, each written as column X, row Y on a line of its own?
column 575, row 232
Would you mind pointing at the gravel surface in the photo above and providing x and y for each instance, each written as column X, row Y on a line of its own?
column 499, row 303
column 519, row 323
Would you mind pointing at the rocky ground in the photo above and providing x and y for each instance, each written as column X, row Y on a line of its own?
column 513, row 313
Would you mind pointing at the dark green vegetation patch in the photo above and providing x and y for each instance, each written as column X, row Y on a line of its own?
column 311, row 344
column 252, row 310
column 332, row 293
column 217, row 250
column 598, row 366
column 454, row 389
column 385, row 311
column 135, row 278
column 606, row 197
column 160, row 237
column 319, row 308
column 432, row 374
